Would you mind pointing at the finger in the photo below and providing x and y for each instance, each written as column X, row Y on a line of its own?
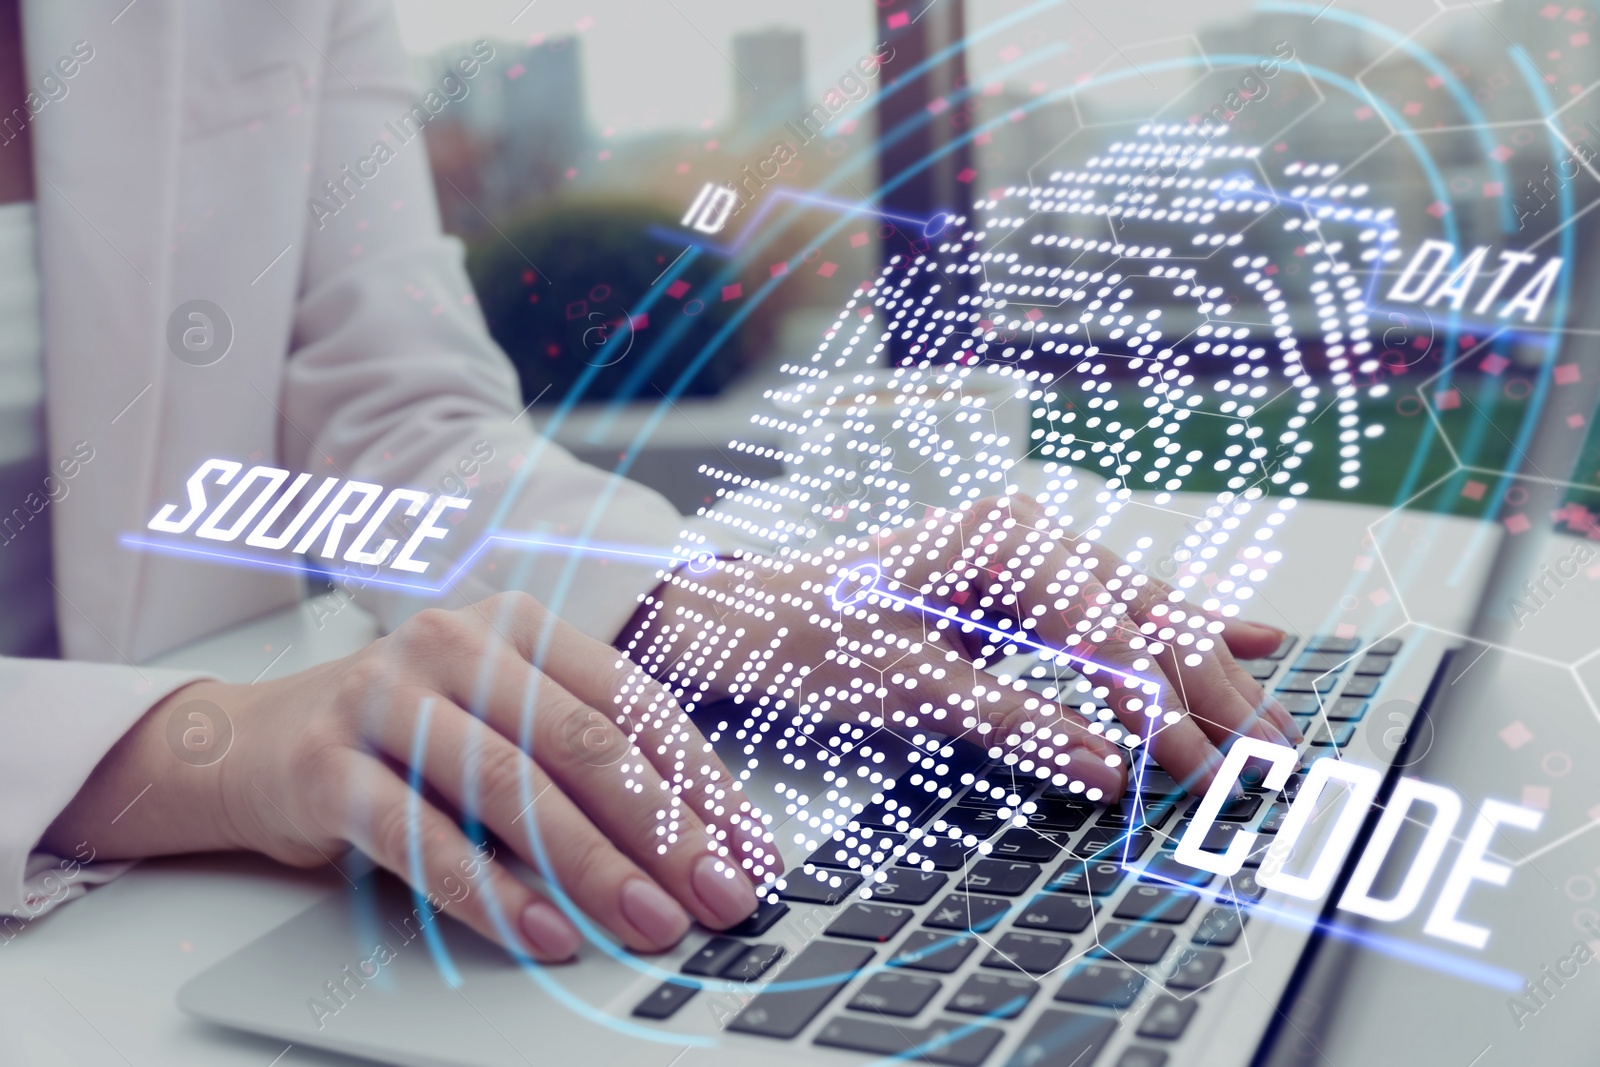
column 488, row 778
column 1090, row 625
column 1212, row 699
column 1058, row 746
column 1257, row 697
column 405, row 834
column 641, row 714
column 627, row 800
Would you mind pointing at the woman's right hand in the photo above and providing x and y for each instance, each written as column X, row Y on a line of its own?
column 379, row 750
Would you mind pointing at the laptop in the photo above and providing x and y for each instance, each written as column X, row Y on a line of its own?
column 968, row 911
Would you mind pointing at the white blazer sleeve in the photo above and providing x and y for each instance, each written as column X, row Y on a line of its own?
column 394, row 379
column 57, row 721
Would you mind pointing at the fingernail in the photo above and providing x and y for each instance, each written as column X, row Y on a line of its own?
column 657, row 916
column 730, row 900
column 552, row 936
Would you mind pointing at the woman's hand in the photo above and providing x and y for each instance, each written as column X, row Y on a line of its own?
column 380, row 750
column 1008, row 569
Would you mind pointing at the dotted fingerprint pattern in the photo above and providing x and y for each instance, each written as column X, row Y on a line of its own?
column 1048, row 302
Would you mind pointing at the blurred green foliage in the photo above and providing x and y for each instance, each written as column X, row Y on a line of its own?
column 557, row 286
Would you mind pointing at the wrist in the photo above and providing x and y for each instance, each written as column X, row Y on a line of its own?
column 158, row 790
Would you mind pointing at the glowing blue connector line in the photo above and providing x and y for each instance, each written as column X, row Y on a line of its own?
column 525, row 542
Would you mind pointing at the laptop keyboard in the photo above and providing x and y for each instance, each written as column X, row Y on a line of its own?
column 1077, row 904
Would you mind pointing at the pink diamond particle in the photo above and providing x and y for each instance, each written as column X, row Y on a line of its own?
column 1474, row 490
column 677, row 289
column 778, row 269
column 1494, row 363
column 1447, row 400
column 827, row 269
column 1518, row 523
column 1492, row 189
column 898, row 19
column 1575, row 421
column 1516, row 735
column 966, row 175
column 1379, row 596
column 732, row 292
column 1363, row 114
column 639, row 322
column 1536, row 796
column 1500, row 153
column 1345, row 629
column 1566, row 373
column 858, row 239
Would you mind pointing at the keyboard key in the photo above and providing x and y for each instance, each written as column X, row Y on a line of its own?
column 925, row 950
column 1166, row 1018
column 1234, row 809
column 1308, row 682
column 1108, row 843
column 1387, row 647
column 1056, row 913
column 1299, row 703
column 967, row 912
column 1054, row 814
column 753, row 964
column 1154, row 903
column 981, row 823
column 1219, row 927
column 1138, row 1056
column 1150, row 818
column 1097, row 877
column 1065, row 795
column 894, row 993
column 820, row 886
column 1347, row 709
column 869, row 922
column 1374, row 665
column 1329, row 735
column 994, row 798
column 942, row 853
column 1008, row 878
column 714, row 956
column 1026, row 843
column 1030, row 953
column 1285, row 647
column 947, row 1041
column 1104, row 985
column 1243, row 887
column 999, row 996
column 1163, row 868
column 1157, row 783
column 1259, row 669
column 821, row 969
column 1292, row 784
column 766, row 916
column 1063, row 1039
column 1318, row 662
column 1133, row 944
column 901, row 886
column 1194, row 968
column 1274, row 820
column 898, row 812
column 665, row 1000
column 1325, row 643
column 1363, row 686
column 853, row 850
column 1216, row 839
